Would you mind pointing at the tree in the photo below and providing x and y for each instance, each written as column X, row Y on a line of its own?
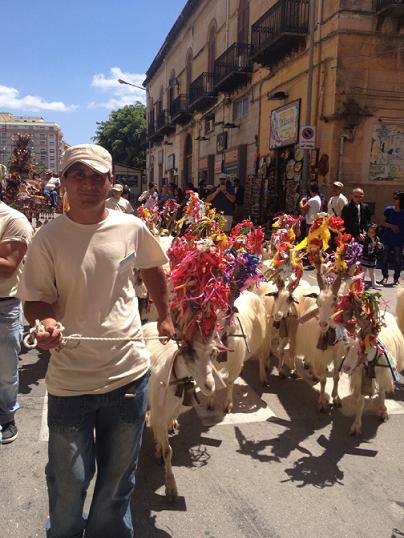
column 121, row 135
column 22, row 162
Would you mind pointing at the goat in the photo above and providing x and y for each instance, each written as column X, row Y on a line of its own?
column 377, row 371
column 318, row 343
column 176, row 370
column 247, row 337
column 289, row 304
column 400, row 309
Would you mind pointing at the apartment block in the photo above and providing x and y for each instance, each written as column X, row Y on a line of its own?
column 47, row 143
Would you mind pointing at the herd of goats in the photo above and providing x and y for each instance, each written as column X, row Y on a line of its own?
column 306, row 328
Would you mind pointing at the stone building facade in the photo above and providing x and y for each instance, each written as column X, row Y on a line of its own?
column 228, row 91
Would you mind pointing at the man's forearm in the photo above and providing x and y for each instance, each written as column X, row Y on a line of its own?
column 156, row 284
column 38, row 310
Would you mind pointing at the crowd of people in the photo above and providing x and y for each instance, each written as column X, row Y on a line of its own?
column 379, row 240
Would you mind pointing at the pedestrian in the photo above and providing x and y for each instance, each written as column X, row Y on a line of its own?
column 337, row 201
column 371, row 248
column 149, row 197
column 393, row 238
column 239, row 203
column 223, row 199
column 117, row 202
column 356, row 216
column 79, row 272
column 310, row 207
column 164, row 195
column 51, row 187
column 15, row 235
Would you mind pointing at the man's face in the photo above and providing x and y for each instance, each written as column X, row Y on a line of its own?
column 116, row 194
column 357, row 196
column 86, row 189
column 335, row 190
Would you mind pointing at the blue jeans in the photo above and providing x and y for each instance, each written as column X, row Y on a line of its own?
column 53, row 195
column 398, row 257
column 106, row 430
column 10, row 345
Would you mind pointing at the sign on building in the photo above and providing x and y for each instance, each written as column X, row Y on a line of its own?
column 285, row 125
column 307, row 137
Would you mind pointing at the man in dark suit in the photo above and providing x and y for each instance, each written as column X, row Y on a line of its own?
column 356, row 216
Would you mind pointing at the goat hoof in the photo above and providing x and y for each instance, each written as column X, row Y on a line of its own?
column 355, row 431
column 294, row 375
column 337, row 402
column 171, row 494
column 384, row 417
column 229, row 408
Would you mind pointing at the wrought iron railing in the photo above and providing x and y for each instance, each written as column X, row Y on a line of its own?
column 236, row 59
column 383, row 4
column 179, row 106
column 286, row 16
column 203, row 86
column 162, row 119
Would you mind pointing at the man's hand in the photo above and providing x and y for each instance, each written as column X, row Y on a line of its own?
column 395, row 228
column 222, row 187
column 52, row 337
column 166, row 328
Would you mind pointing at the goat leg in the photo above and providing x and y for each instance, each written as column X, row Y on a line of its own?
column 356, row 428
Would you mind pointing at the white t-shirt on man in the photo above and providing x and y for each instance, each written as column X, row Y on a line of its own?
column 314, row 204
column 86, row 273
column 122, row 205
column 52, row 184
column 14, row 226
column 336, row 204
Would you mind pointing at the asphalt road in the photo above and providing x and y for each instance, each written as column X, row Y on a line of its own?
column 274, row 468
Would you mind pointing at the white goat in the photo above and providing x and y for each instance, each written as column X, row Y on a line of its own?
column 320, row 343
column 365, row 379
column 400, row 308
column 175, row 372
column 247, row 338
column 289, row 304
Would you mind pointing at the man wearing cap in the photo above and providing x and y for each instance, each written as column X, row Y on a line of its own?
column 117, row 202
column 15, row 235
column 51, row 187
column 223, row 199
column 79, row 272
column 338, row 201
column 149, row 197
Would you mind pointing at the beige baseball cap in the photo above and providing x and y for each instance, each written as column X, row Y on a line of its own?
column 117, row 187
column 338, row 184
column 94, row 156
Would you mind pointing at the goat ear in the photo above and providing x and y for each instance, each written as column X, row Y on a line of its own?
column 235, row 310
column 312, row 295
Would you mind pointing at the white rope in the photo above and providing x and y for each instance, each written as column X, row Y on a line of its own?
column 30, row 341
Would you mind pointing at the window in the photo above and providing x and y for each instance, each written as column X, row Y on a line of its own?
column 240, row 107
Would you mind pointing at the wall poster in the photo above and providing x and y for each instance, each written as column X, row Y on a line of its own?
column 285, row 125
column 387, row 152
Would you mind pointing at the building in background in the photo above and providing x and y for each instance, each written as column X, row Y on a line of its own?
column 203, row 95
column 227, row 91
column 47, row 143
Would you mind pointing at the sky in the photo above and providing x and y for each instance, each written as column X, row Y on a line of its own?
column 61, row 59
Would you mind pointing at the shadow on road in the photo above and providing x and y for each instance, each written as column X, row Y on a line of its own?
column 189, row 450
column 299, row 401
column 32, row 372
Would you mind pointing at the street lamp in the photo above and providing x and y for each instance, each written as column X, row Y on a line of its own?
column 130, row 84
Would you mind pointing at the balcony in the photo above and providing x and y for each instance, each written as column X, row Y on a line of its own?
column 233, row 68
column 180, row 113
column 279, row 31
column 391, row 6
column 152, row 134
column 202, row 93
column 164, row 126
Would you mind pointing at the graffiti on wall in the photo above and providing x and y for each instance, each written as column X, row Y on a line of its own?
column 387, row 153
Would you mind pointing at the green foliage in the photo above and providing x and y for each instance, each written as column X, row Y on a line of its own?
column 121, row 135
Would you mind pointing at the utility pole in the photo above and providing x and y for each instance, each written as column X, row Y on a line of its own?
column 306, row 161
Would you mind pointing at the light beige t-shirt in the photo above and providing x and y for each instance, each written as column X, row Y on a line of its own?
column 122, row 205
column 86, row 273
column 14, row 226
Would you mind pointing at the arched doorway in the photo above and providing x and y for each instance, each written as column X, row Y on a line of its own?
column 187, row 160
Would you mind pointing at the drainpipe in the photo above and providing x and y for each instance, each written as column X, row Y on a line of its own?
column 227, row 23
column 347, row 135
column 306, row 162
